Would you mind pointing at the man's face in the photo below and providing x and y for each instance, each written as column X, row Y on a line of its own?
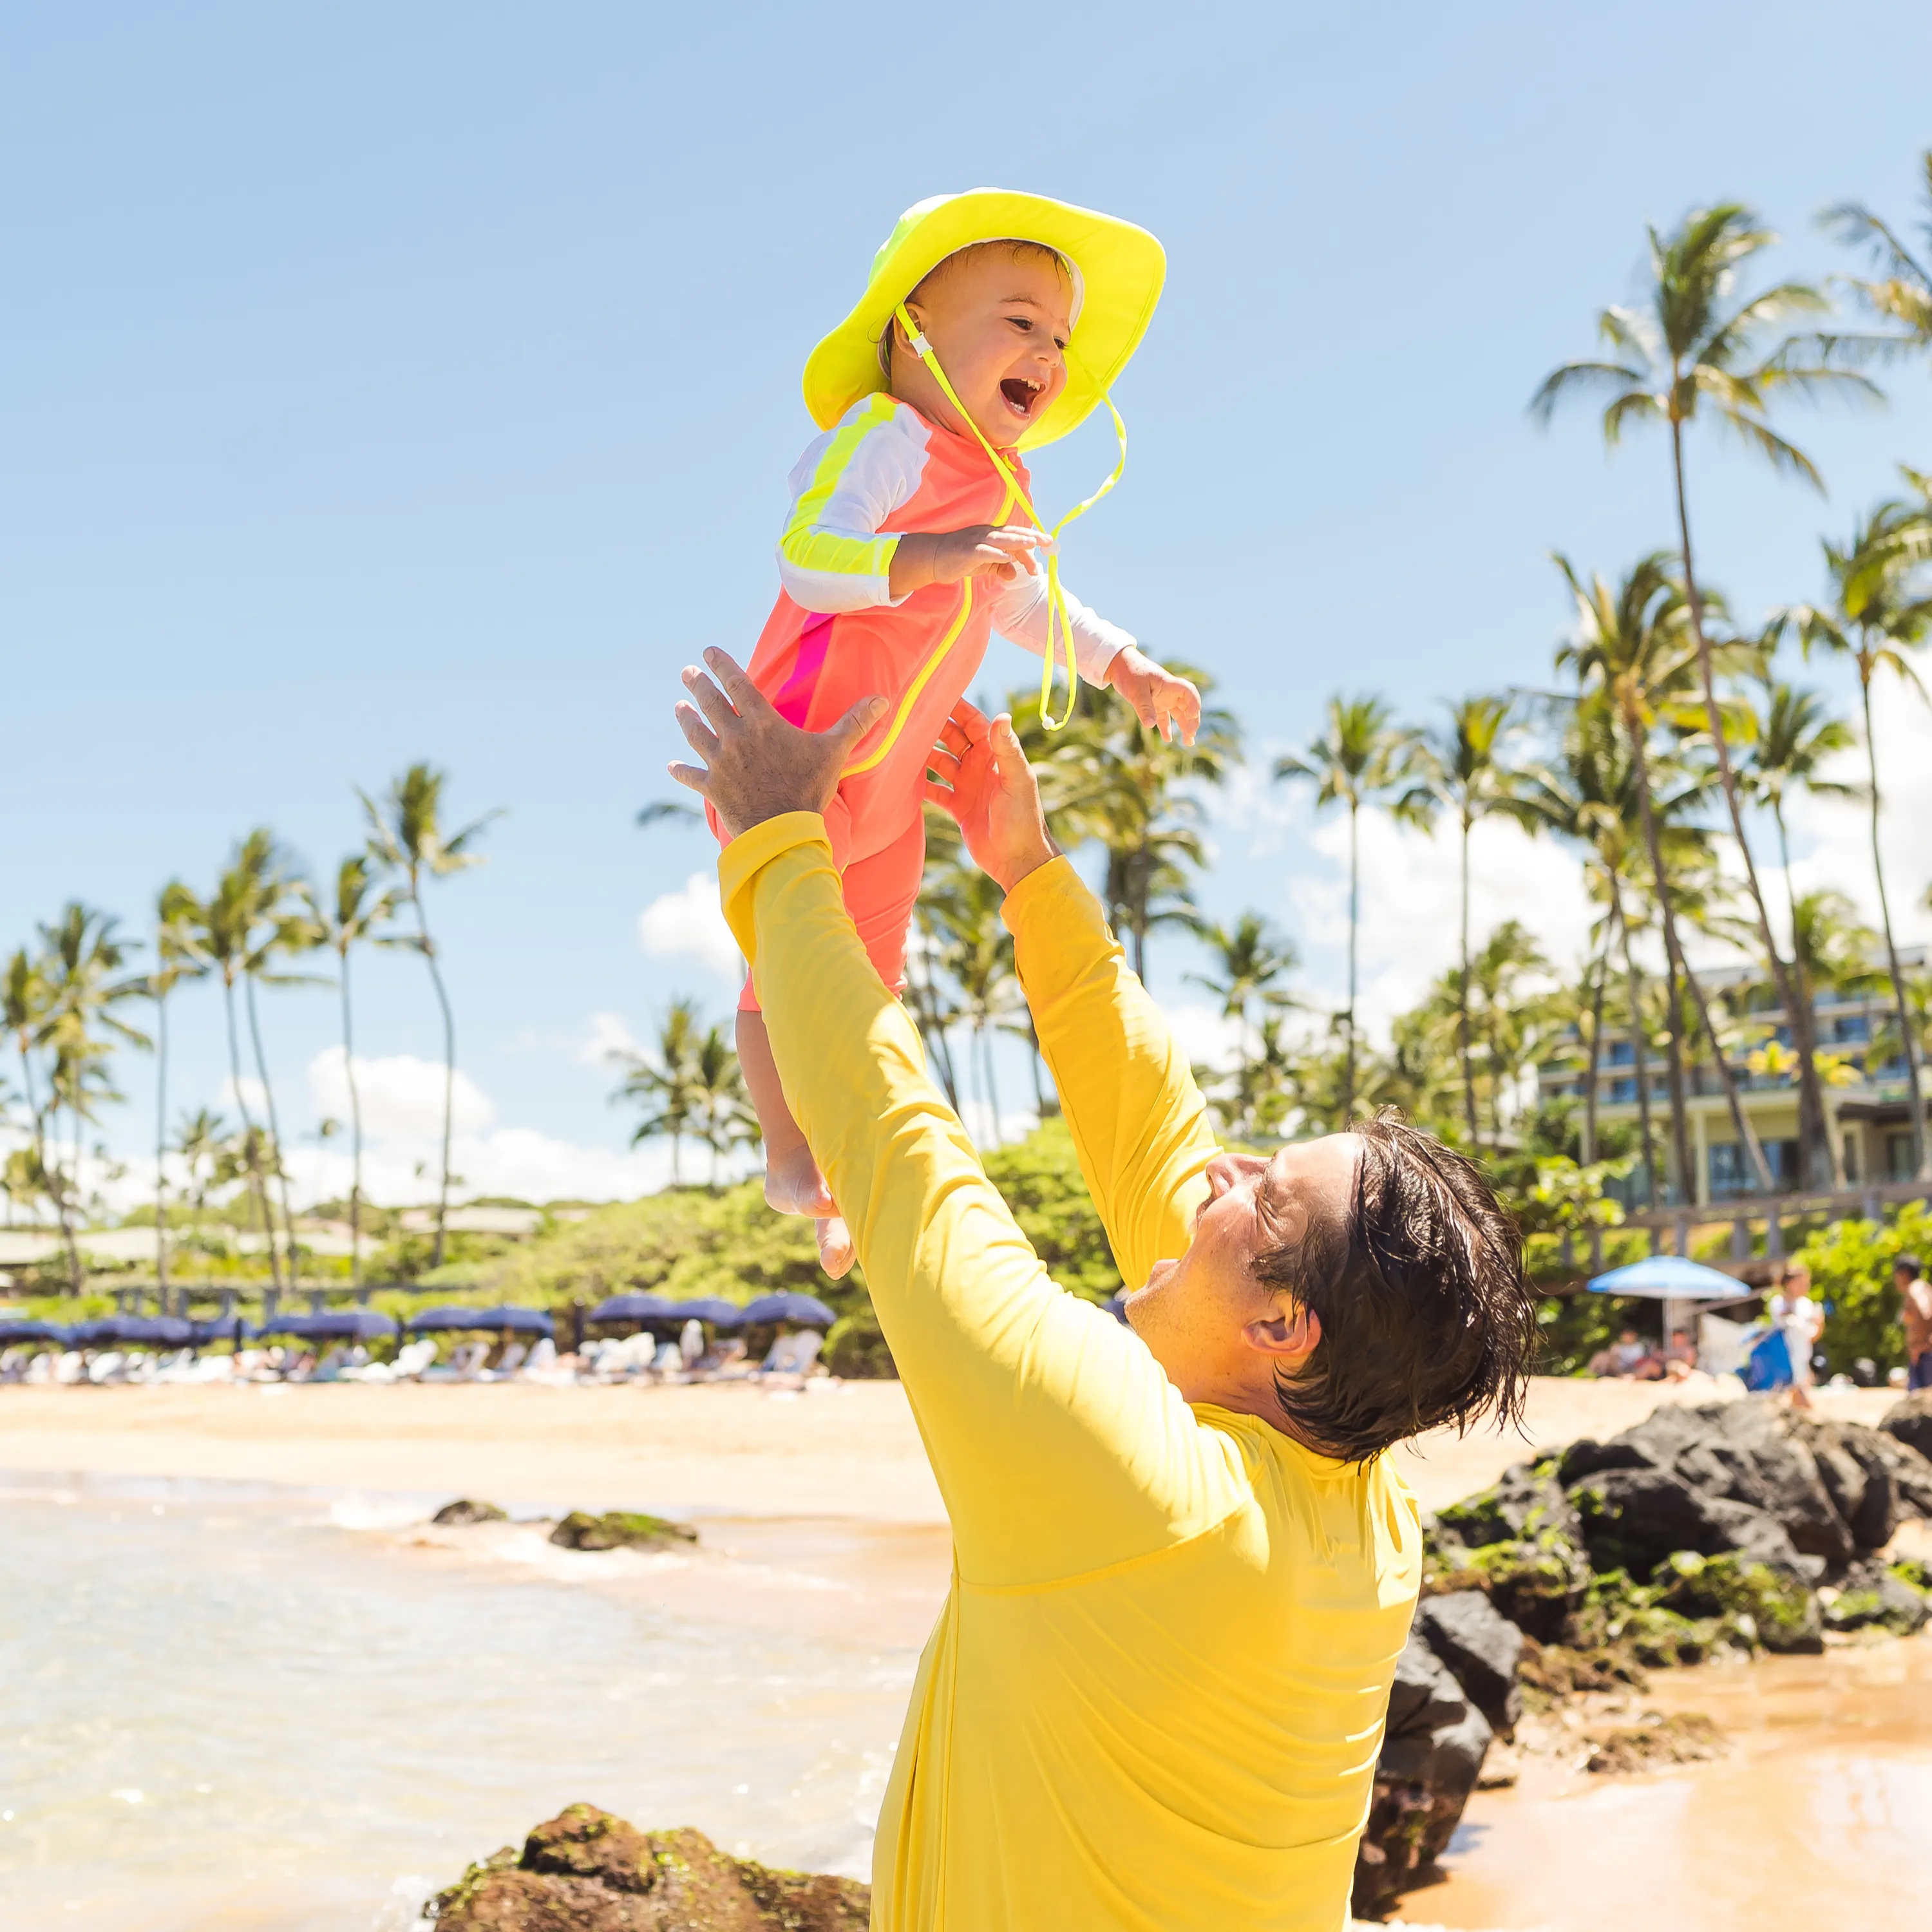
column 1219, row 1332
column 999, row 325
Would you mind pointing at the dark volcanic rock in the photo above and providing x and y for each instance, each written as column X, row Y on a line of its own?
column 1482, row 1650
column 467, row 1510
column 1634, row 1518
column 1766, row 1605
column 1748, row 1452
column 1911, row 1421
column 1523, row 1506
column 586, row 1871
column 620, row 1529
column 1432, row 1751
column 1872, row 1594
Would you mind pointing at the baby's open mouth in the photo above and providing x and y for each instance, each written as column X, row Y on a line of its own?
column 1021, row 394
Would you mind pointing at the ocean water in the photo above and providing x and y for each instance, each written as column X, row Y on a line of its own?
column 228, row 1707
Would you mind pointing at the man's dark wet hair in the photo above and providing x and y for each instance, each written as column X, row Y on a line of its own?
column 1912, row 1264
column 1425, row 1315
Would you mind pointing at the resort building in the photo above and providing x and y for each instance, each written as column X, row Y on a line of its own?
column 1859, row 1062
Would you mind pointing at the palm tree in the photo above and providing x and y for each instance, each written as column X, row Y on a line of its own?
column 723, row 1118
column 1794, row 736
column 1362, row 758
column 1462, row 767
column 1633, row 645
column 81, row 956
column 963, row 905
column 24, row 1007
column 233, row 933
column 1498, row 994
column 174, row 962
column 1250, row 962
column 1902, row 291
column 1107, row 778
column 357, row 907
column 1698, row 349
column 406, row 835
column 202, row 1139
column 1880, row 608
column 668, row 1087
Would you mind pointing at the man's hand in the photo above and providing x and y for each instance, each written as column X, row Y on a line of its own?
column 1001, row 550
column 984, row 781
column 1161, row 701
column 756, row 766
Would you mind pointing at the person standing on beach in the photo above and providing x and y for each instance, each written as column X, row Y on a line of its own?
column 1183, row 1567
column 1802, row 1321
column 1915, row 1310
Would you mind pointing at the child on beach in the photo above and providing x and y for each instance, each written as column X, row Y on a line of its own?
column 992, row 322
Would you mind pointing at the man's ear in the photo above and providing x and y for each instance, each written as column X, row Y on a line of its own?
column 1290, row 1337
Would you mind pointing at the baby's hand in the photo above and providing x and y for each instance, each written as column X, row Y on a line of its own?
column 1001, row 550
column 1163, row 703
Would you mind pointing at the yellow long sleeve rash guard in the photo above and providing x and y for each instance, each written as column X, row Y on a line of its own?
column 1156, row 1694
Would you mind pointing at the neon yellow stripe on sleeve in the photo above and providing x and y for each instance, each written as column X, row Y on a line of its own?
column 805, row 548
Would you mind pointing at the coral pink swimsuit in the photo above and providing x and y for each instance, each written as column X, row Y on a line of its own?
column 835, row 637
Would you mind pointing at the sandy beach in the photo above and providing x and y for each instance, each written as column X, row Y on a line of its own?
column 848, row 1450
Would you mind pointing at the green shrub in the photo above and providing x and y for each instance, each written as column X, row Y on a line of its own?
column 1040, row 1178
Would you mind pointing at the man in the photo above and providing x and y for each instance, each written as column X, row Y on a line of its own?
column 1182, row 1568
column 1915, row 1310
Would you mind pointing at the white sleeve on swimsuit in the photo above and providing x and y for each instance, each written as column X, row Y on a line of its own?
column 1019, row 616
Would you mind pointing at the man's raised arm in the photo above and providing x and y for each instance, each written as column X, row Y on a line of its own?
column 1138, row 1121
column 1058, row 1444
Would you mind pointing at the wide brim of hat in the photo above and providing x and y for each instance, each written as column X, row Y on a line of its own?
column 1121, row 267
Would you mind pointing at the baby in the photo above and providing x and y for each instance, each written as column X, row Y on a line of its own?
column 911, row 537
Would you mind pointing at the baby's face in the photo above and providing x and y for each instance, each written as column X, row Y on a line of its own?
column 999, row 326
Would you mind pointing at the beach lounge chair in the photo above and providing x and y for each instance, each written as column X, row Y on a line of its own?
column 513, row 1358
column 793, row 1354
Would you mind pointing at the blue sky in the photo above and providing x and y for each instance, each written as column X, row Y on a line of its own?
column 386, row 383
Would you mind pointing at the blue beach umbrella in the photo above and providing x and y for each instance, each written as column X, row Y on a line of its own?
column 429, row 1320
column 1671, row 1278
column 151, row 1331
column 217, row 1328
column 337, row 1325
column 802, row 1311
column 518, row 1321
column 634, row 1308
column 33, row 1331
column 712, row 1308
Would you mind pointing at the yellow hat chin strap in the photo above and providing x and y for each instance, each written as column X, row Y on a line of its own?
column 1058, row 622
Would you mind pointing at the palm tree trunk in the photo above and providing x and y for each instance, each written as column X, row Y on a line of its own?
column 1355, row 905
column 355, row 1131
column 1784, row 862
column 1600, row 967
column 161, row 1148
column 1915, row 1101
column 251, row 1142
column 992, row 1088
column 1818, row 1157
column 274, row 1134
column 1639, row 1061
column 1462, row 1000
column 449, row 1077
column 1673, row 957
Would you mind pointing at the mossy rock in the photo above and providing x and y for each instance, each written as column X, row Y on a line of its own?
column 1913, row 1573
column 469, row 1510
column 586, row 1871
column 1764, row 1605
column 1687, row 1737
column 618, row 1529
column 1874, row 1596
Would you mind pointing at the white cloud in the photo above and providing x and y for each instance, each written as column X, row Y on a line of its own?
column 607, row 1037
column 254, row 1096
column 690, row 925
column 1832, row 839
column 401, row 1096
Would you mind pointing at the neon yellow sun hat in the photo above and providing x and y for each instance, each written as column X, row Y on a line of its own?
column 1116, row 269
